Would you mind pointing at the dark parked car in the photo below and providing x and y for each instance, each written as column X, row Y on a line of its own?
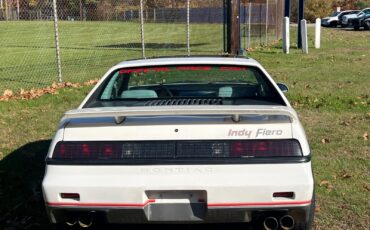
column 335, row 19
column 344, row 13
column 346, row 20
column 358, row 22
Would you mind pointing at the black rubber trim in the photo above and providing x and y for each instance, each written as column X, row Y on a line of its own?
column 198, row 161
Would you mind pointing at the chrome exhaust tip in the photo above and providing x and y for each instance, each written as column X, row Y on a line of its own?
column 71, row 220
column 270, row 223
column 85, row 220
column 287, row 222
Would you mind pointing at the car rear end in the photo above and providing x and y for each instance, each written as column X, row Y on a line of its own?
column 189, row 163
column 346, row 20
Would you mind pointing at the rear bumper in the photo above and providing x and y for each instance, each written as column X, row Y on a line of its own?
column 186, row 193
column 181, row 213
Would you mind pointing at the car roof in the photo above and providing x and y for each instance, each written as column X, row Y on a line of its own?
column 346, row 11
column 195, row 60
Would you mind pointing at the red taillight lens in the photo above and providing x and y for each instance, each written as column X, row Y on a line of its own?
column 100, row 150
column 265, row 148
column 87, row 150
column 108, row 150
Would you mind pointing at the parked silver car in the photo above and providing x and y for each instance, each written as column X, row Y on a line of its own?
column 335, row 19
column 346, row 20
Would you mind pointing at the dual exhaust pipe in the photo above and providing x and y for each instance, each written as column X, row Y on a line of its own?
column 271, row 223
column 84, row 220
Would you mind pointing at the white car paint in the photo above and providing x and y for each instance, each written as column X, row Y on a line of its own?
column 234, row 186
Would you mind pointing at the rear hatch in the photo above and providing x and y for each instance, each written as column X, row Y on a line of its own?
column 179, row 133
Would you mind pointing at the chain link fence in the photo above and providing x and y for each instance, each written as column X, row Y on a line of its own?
column 93, row 35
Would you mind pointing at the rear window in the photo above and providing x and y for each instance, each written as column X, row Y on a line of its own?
column 217, row 83
column 335, row 14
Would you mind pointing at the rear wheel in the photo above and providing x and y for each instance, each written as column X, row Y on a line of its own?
column 333, row 24
column 367, row 25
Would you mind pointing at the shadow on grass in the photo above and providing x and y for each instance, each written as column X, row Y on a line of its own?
column 152, row 45
column 351, row 29
column 21, row 173
column 135, row 45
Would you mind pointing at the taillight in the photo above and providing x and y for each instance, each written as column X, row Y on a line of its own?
column 110, row 150
column 265, row 148
column 87, row 150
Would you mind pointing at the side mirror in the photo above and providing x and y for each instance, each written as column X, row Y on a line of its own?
column 284, row 88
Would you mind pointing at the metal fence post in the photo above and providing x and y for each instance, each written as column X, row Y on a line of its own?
column 18, row 10
column 6, row 10
column 266, row 19
column 142, row 29
column 249, row 24
column 56, row 36
column 188, row 25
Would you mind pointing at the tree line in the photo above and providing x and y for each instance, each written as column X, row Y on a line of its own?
column 323, row 8
column 108, row 9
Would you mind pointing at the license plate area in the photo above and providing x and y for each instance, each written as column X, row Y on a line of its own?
column 176, row 205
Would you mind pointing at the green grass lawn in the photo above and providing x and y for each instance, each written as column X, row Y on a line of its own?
column 27, row 53
column 329, row 87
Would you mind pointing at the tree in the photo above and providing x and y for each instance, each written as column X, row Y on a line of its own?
column 318, row 9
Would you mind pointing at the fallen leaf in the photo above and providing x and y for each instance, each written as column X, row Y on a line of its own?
column 344, row 123
column 8, row 93
column 38, row 92
column 327, row 185
column 366, row 186
column 324, row 183
column 91, row 82
column 346, row 175
column 325, row 140
column 295, row 104
column 366, row 136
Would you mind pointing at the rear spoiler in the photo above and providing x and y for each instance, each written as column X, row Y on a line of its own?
column 235, row 111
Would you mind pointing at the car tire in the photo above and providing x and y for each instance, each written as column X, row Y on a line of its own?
column 333, row 24
column 367, row 25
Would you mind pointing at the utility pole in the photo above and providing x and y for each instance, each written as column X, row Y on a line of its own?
column 287, row 8
column 233, row 26
column 300, row 18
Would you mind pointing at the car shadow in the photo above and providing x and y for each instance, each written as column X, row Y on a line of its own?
column 21, row 173
column 22, row 204
column 351, row 29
